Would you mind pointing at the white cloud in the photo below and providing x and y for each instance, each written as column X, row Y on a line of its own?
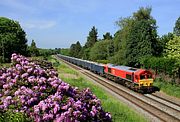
column 39, row 24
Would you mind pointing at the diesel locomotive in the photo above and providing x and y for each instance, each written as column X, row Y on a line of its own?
column 140, row 80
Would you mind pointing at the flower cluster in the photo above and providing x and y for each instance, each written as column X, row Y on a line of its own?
column 38, row 92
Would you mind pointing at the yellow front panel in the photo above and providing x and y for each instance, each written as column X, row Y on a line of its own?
column 146, row 82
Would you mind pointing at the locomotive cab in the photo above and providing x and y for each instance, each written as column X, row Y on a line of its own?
column 145, row 78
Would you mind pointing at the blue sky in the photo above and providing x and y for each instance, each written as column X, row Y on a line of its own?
column 59, row 23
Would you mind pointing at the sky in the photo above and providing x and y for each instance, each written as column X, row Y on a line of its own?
column 59, row 23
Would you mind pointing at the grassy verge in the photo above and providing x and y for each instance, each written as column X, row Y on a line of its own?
column 5, row 65
column 170, row 89
column 119, row 111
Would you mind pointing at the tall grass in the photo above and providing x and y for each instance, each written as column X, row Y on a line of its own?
column 2, row 65
column 119, row 111
column 168, row 88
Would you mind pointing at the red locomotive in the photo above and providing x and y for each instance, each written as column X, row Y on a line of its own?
column 131, row 77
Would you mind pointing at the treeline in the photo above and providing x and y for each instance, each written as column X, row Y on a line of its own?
column 13, row 40
column 135, row 44
column 33, row 51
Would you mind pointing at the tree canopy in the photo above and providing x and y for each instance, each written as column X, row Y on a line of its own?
column 101, row 50
column 75, row 50
column 12, row 39
column 92, row 38
column 163, row 41
column 33, row 50
column 107, row 36
column 177, row 27
column 136, row 38
column 173, row 49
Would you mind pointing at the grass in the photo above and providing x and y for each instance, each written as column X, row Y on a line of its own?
column 119, row 111
column 5, row 65
column 170, row 89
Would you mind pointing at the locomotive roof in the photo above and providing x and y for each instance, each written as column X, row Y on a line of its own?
column 125, row 68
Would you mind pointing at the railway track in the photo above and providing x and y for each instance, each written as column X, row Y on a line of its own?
column 161, row 109
column 167, row 100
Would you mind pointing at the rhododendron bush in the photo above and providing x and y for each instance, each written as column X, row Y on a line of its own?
column 28, row 88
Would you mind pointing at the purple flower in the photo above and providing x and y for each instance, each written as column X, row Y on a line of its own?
column 60, row 118
column 64, row 107
column 92, row 113
column 5, row 86
column 25, row 75
column 30, row 70
column 8, row 98
column 44, row 107
column 13, row 80
column 56, row 108
column 6, row 92
column 16, row 77
column 76, row 113
column 48, row 116
column 17, row 92
column 35, row 88
column 36, row 109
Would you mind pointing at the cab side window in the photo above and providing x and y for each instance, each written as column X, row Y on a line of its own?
column 142, row 77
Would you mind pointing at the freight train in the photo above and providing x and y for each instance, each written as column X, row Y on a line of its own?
column 140, row 80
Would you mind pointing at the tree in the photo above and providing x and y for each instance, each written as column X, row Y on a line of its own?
column 120, row 40
column 117, row 40
column 173, row 48
column 143, row 37
column 78, row 49
column 92, row 38
column 72, row 50
column 107, row 36
column 33, row 49
column 75, row 49
column 163, row 41
column 138, row 37
column 173, row 52
column 12, row 39
column 177, row 27
column 57, row 50
column 110, row 48
column 65, row 51
column 85, row 54
column 101, row 50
